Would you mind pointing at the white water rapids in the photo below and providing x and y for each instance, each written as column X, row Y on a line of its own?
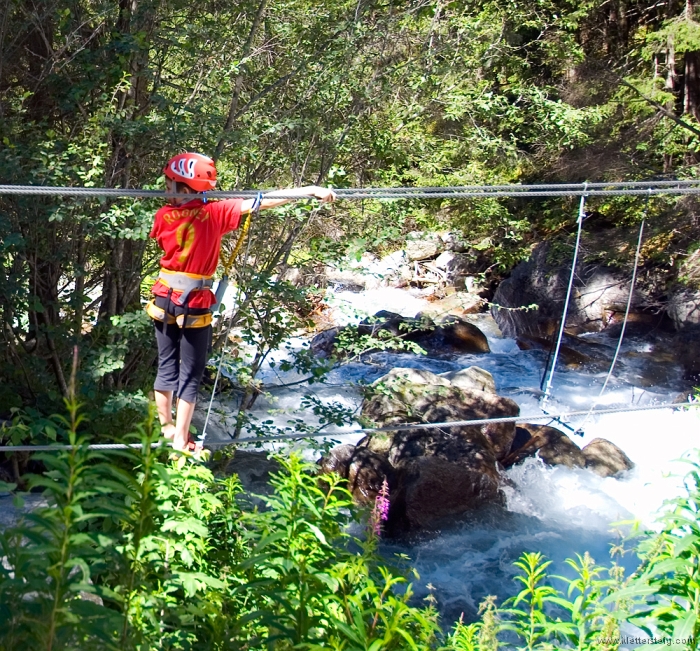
column 557, row 511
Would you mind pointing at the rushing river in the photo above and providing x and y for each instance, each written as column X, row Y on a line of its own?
column 558, row 511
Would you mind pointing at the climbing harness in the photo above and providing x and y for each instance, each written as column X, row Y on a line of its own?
column 183, row 321
column 223, row 283
column 184, row 282
column 548, row 386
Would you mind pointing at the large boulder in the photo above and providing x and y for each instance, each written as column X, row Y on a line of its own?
column 605, row 458
column 598, row 292
column 431, row 492
column 364, row 470
column 552, row 446
column 396, row 398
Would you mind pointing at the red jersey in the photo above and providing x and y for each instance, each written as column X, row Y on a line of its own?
column 190, row 235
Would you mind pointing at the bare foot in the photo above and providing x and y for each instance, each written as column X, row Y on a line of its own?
column 168, row 431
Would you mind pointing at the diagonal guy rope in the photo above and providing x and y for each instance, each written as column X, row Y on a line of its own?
column 562, row 325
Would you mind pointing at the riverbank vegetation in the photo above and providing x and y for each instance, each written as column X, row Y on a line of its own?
column 133, row 550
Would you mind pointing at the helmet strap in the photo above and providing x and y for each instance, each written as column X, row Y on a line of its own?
column 204, row 196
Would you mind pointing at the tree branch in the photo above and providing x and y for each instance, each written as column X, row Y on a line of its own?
column 669, row 114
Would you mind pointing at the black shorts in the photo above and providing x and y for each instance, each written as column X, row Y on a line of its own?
column 182, row 353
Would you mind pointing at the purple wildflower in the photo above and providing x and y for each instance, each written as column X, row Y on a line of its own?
column 381, row 508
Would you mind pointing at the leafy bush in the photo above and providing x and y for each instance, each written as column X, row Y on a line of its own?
column 137, row 550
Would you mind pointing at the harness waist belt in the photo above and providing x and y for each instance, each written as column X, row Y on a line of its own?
column 192, row 320
column 184, row 282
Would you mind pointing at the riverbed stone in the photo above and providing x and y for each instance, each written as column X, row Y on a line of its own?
column 472, row 377
column 323, row 343
column 605, row 458
column 464, row 336
column 551, row 445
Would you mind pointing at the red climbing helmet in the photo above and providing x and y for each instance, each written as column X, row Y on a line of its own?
column 195, row 170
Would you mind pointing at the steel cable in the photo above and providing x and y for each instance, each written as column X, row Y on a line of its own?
column 367, row 430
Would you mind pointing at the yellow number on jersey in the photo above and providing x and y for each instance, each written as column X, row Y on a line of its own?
column 185, row 238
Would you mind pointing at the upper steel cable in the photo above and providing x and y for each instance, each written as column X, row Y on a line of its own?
column 431, row 192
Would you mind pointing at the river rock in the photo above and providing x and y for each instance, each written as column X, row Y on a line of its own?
column 598, row 290
column 430, row 492
column 605, row 458
column 323, row 343
column 684, row 308
column 552, row 446
column 422, row 246
column 455, row 304
column 568, row 355
column 396, row 399
column 253, row 469
column 471, row 378
column 456, row 267
column 364, row 470
column 464, row 336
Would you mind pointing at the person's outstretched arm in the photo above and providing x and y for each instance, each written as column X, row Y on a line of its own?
column 315, row 191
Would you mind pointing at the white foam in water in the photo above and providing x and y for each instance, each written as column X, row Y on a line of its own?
column 557, row 511
column 351, row 307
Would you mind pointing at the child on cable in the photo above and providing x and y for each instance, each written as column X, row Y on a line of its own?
column 189, row 231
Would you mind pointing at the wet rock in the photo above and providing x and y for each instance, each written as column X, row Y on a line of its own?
column 323, row 343
column 398, row 400
column 568, row 355
column 464, row 336
column 686, row 349
column 253, row 469
column 364, row 470
column 605, row 458
column 552, row 446
column 430, row 492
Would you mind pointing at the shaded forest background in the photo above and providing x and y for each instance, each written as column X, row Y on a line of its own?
column 297, row 91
